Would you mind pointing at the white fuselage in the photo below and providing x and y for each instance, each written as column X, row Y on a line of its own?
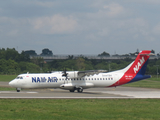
column 55, row 80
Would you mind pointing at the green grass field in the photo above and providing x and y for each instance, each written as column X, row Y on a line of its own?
column 7, row 78
column 79, row 109
column 148, row 83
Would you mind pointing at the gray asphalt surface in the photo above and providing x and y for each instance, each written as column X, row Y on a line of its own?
column 98, row 93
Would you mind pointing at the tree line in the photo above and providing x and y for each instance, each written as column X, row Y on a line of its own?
column 12, row 62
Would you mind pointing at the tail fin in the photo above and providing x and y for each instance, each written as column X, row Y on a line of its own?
column 140, row 64
column 136, row 70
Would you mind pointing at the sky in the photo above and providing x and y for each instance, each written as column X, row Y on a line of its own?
column 80, row 26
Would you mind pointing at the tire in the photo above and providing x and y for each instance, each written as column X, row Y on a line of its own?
column 71, row 90
column 80, row 90
column 18, row 90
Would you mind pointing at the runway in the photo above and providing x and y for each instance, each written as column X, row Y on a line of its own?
column 96, row 93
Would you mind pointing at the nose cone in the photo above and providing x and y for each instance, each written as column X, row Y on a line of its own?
column 12, row 83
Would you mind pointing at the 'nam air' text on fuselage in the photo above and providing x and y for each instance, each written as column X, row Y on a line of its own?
column 43, row 79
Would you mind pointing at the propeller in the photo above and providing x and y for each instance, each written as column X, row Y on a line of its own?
column 65, row 73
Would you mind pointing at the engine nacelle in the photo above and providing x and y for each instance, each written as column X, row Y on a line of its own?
column 73, row 74
column 67, row 86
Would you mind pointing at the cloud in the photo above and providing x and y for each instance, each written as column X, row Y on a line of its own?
column 45, row 4
column 56, row 24
column 156, row 29
column 13, row 27
column 108, row 10
column 147, row 1
column 36, row 2
column 113, row 9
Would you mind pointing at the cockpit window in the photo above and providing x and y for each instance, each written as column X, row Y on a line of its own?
column 19, row 77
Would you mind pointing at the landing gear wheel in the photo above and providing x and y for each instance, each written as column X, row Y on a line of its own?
column 71, row 90
column 18, row 89
column 80, row 90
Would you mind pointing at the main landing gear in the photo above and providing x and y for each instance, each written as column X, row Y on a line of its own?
column 80, row 90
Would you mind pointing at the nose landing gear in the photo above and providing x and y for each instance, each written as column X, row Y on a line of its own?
column 18, row 89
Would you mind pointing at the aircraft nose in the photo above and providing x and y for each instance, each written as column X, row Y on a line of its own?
column 12, row 83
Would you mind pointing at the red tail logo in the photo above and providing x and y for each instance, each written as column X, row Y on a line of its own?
column 139, row 64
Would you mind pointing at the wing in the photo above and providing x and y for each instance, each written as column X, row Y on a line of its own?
column 79, row 74
column 90, row 72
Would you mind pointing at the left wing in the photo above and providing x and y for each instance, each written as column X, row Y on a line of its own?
column 90, row 72
column 79, row 74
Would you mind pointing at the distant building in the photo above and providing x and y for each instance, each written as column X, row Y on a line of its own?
column 31, row 52
column 104, row 54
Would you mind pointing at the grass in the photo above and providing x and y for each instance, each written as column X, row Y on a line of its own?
column 79, row 109
column 7, row 78
column 148, row 83
column 7, row 89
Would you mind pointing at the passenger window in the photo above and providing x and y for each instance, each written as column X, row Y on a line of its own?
column 95, row 78
column 106, row 78
column 86, row 78
column 92, row 78
column 100, row 78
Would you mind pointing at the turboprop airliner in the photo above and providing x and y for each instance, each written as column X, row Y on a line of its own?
column 79, row 80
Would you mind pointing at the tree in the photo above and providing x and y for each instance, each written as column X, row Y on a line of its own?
column 46, row 52
column 23, row 57
column 104, row 54
column 80, row 63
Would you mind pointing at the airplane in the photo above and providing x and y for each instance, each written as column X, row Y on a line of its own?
column 79, row 80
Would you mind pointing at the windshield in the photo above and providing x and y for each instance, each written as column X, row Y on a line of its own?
column 19, row 77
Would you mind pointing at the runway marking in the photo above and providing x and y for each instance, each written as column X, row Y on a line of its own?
column 5, row 92
column 69, row 97
column 136, row 94
column 50, row 95
column 31, row 92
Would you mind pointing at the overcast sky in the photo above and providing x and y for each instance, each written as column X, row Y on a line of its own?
column 80, row 26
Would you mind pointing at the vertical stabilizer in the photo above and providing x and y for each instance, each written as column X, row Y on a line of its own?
column 136, row 70
column 140, row 64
